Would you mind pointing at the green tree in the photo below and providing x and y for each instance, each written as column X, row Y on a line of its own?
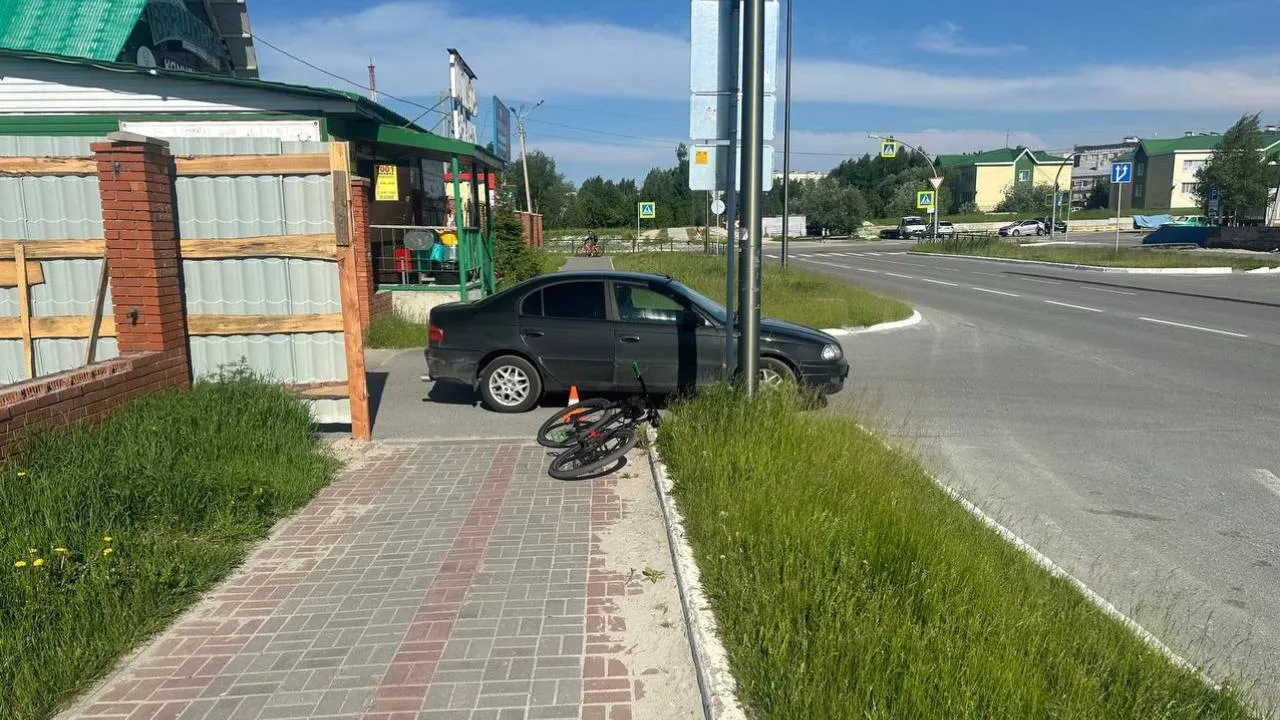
column 1027, row 198
column 513, row 259
column 551, row 192
column 833, row 205
column 1238, row 169
column 1099, row 195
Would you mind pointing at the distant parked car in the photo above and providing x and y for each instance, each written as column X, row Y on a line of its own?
column 587, row 328
column 913, row 226
column 1022, row 227
column 1059, row 225
column 1190, row 221
column 946, row 229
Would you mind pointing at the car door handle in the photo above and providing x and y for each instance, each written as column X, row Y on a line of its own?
column 532, row 333
column 630, row 338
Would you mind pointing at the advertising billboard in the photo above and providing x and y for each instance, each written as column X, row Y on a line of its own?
column 501, row 130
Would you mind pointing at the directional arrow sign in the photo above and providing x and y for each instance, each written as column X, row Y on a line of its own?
column 888, row 149
column 1121, row 173
column 924, row 199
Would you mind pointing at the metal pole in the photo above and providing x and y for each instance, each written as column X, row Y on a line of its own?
column 752, row 180
column 1119, row 202
column 731, row 195
column 1053, row 214
column 524, row 163
column 786, row 149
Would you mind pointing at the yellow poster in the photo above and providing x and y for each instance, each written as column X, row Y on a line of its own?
column 387, row 186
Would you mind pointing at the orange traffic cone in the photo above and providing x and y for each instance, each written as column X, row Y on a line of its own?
column 573, row 395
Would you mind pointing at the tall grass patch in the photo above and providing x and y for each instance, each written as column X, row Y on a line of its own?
column 107, row 532
column 792, row 294
column 847, row 584
column 1098, row 256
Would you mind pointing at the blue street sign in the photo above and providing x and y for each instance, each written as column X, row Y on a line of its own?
column 924, row 199
column 648, row 210
column 1121, row 173
column 1213, row 194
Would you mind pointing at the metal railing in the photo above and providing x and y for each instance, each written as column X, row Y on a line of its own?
column 431, row 256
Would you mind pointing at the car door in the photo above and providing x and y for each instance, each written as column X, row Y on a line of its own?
column 677, row 347
column 565, row 327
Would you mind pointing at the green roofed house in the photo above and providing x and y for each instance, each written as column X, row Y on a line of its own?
column 204, row 35
column 1164, row 170
column 985, row 176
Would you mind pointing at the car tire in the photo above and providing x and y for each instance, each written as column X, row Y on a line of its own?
column 775, row 373
column 1015, row 233
column 1039, row 231
column 510, row 384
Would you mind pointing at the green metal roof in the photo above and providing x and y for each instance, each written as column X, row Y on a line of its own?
column 1006, row 156
column 93, row 29
column 393, row 128
column 1195, row 143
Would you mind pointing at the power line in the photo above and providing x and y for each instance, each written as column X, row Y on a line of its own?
column 317, row 68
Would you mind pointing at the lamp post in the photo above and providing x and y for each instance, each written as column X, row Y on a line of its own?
column 935, row 180
column 1053, row 219
column 524, row 159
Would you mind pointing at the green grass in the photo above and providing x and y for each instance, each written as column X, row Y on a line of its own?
column 847, row 584
column 800, row 296
column 395, row 331
column 1098, row 256
column 1099, row 214
column 182, row 482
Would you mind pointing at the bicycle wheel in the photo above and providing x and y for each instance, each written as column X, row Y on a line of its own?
column 590, row 458
column 563, row 429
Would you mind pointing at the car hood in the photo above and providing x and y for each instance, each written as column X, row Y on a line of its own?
column 784, row 330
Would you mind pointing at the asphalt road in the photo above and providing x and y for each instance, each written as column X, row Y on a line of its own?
column 1128, row 426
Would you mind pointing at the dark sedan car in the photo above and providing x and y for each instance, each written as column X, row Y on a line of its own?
column 1059, row 225
column 586, row 329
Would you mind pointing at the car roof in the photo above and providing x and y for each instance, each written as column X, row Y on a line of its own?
column 563, row 275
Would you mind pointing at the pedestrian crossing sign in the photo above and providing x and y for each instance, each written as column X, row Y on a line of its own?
column 888, row 149
column 924, row 199
column 648, row 210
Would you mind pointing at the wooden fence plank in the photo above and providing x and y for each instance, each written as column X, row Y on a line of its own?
column 315, row 247
column 262, row 324
column 298, row 164
column 319, row 391
column 9, row 273
column 99, row 300
column 353, row 336
column 24, row 309
column 56, row 249
column 56, row 326
column 48, row 166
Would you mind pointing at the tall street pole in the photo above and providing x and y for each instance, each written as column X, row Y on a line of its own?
column 731, row 195
column 786, row 148
column 524, row 158
column 752, row 180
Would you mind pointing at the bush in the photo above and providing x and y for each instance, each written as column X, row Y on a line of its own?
column 513, row 260
column 120, row 526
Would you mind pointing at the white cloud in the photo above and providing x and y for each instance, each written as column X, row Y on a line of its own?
column 521, row 58
column 944, row 38
column 581, row 159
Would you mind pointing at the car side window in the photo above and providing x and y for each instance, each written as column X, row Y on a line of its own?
column 532, row 305
column 638, row 303
column 584, row 300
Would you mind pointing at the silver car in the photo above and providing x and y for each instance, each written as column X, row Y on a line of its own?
column 1022, row 227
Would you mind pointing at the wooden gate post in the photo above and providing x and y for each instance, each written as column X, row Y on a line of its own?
column 348, row 283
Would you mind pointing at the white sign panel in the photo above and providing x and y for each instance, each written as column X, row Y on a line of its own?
column 283, row 130
column 708, row 116
column 708, row 168
column 463, row 93
column 710, row 76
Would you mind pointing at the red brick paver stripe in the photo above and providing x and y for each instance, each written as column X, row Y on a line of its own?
column 608, row 687
column 402, row 692
column 180, row 666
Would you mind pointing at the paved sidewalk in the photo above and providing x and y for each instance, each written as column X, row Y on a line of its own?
column 437, row 582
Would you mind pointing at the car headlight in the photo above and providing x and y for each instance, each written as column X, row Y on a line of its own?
column 831, row 352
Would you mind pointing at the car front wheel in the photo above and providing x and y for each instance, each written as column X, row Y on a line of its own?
column 774, row 373
column 510, row 384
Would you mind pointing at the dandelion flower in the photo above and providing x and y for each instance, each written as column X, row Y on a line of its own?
column 33, row 551
column 37, row 562
column 106, row 538
column 107, row 551
column 60, row 550
column 20, row 563
column 22, row 473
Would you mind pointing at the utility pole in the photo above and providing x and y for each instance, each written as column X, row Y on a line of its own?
column 373, row 82
column 752, row 180
column 524, row 158
column 786, row 149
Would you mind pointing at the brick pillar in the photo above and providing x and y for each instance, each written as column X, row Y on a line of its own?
column 135, row 179
column 362, row 246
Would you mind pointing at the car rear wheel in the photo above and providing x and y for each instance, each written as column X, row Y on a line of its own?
column 774, row 373
column 510, row 384
column 1039, row 231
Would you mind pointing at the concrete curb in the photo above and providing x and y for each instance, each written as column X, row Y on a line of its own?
column 896, row 325
column 715, row 681
column 1264, row 271
column 1093, row 268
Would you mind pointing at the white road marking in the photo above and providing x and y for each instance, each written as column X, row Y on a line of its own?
column 829, row 264
column 895, row 262
column 979, row 272
column 1193, row 327
column 1113, row 292
column 770, row 255
column 1046, row 282
column 868, row 270
column 1268, row 480
column 941, row 282
column 995, row 292
column 908, row 277
column 1076, row 307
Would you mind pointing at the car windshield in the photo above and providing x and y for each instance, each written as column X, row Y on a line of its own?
column 706, row 304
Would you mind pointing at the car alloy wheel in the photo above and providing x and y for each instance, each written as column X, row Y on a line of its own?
column 509, row 386
column 774, row 373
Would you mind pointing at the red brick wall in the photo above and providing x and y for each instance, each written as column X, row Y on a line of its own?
column 362, row 244
column 532, row 225
column 85, row 394
column 381, row 305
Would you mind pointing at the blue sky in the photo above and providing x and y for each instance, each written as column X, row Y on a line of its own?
column 950, row 76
